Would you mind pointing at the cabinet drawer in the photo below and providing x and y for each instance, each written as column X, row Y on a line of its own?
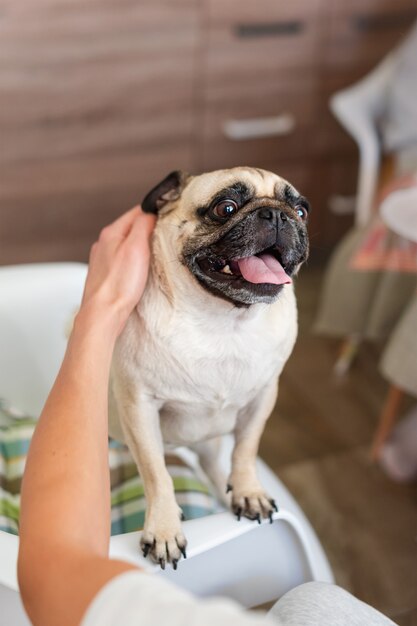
column 218, row 153
column 260, row 12
column 229, row 54
column 372, row 9
column 255, row 119
column 364, row 34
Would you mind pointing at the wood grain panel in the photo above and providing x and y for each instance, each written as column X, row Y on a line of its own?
column 371, row 8
column 70, row 200
column 220, row 151
column 236, row 11
column 23, row 181
column 362, row 33
column 229, row 55
column 97, row 105
column 260, row 95
column 331, row 175
column 331, row 138
column 96, row 79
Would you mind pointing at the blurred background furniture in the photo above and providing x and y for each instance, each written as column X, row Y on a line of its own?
column 99, row 104
column 399, row 360
column 251, row 563
column 379, row 113
column 361, row 109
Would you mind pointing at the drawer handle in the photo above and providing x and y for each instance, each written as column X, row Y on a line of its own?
column 269, row 29
column 375, row 23
column 239, row 130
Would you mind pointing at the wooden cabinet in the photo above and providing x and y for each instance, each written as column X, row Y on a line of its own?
column 96, row 103
column 357, row 35
column 361, row 32
column 260, row 78
column 269, row 61
column 99, row 100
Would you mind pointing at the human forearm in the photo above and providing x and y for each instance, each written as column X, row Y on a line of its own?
column 65, row 504
column 65, row 495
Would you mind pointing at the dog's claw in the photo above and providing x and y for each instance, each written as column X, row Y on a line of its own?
column 255, row 506
column 162, row 563
column 175, row 563
column 182, row 516
column 146, row 548
column 228, row 488
column 183, row 552
column 273, row 504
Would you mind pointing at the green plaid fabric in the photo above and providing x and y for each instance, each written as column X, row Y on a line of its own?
column 127, row 495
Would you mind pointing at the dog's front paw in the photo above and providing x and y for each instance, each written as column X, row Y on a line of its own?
column 254, row 504
column 162, row 539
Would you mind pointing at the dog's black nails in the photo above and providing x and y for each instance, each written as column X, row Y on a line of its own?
column 146, row 548
column 270, row 517
column 182, row 517
column 175, row 563
column 228, row 488
column 162, row 563
column 258, row 518
column 183, row 552
column 274, row 506
column 239, row 514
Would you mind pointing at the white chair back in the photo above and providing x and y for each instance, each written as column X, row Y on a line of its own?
column 37, row 303
column 358, row 108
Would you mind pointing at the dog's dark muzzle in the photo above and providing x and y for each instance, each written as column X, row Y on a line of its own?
column 278, row 217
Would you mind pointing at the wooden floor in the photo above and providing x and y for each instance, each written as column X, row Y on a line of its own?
column 317, row 441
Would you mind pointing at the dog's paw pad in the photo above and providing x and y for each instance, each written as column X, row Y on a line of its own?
column 164, row 547
column 256, row 506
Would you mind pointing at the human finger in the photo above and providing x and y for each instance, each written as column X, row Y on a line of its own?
column 142, row 226
column 121, row 227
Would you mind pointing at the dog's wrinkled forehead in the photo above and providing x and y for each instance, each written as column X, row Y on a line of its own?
column 243, row 183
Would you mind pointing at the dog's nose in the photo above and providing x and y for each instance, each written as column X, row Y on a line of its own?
column 265, row 214
column 268, row 214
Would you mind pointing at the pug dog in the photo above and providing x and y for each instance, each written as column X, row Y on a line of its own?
column 202, row 353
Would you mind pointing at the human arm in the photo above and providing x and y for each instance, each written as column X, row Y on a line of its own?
column 65, row 503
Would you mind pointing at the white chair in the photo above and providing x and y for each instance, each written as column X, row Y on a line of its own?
column 359, row 109
column 248, row 562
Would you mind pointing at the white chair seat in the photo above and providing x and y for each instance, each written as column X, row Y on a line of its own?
column 243, row 560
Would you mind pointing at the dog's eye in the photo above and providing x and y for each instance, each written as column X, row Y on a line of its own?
column 301, row 212
column 225, row 208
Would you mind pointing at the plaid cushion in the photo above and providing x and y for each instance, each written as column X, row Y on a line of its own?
column 127, row 494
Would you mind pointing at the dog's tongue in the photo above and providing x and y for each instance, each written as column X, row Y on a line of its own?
column 263, row 269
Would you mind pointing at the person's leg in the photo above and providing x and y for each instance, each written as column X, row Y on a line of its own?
column 398, row 456
column 323, row 604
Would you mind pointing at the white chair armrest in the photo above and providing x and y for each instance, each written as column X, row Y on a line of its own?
column 399, row 212
column 358, row 109
column 250, row 563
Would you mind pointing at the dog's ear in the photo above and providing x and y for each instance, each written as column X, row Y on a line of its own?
column 166, row 191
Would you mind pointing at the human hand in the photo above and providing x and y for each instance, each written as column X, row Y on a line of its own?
column 118, row 267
